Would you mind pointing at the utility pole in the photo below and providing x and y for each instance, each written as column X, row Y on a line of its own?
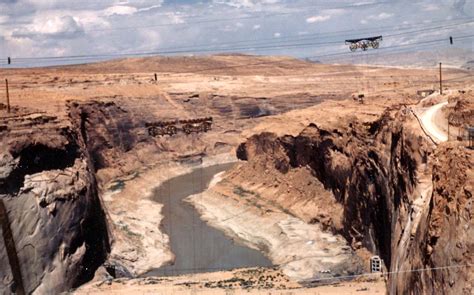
column 440, row 80
column 8, row 96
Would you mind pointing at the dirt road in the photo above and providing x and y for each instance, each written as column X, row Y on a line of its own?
column 431, row 124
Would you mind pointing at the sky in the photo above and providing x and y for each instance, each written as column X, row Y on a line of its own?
column 31, row 30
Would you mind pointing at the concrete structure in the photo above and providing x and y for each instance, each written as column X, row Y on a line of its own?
column 424, row 93
column 375, row 264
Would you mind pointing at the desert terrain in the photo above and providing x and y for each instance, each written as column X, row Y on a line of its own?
column 328, row 165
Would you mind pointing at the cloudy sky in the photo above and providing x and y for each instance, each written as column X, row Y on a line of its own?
column 302, row 28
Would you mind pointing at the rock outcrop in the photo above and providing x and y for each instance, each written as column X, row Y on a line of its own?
column 54, row 228
column 445, row 239
column 107, row 129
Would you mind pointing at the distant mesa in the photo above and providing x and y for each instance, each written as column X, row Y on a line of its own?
column 314, row 61
column 469, row 65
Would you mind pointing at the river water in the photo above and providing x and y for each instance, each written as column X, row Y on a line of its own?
column 197, row 246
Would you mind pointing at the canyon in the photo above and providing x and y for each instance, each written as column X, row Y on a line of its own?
column 320, row 181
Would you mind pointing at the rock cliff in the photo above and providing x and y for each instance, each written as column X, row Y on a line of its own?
column 395, row 193
column 53, row 226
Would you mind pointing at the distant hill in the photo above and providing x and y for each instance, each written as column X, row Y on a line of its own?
column 469, row 65
column 228, row 64
column 454, row 57
column 314, row 61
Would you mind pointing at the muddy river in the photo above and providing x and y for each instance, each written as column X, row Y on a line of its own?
column 197, row 246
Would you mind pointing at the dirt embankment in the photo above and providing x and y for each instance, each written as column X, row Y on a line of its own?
column 372, row 183
column 58, row 230
column 460, row 110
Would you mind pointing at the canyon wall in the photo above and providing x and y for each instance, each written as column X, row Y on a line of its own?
column 392, row 198
column 53, row 226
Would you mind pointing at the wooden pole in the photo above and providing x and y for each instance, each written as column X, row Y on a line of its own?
column 8, row 96
column 440, row 80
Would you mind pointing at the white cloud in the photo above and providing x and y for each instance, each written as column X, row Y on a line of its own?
column 152, row 37
column 4, row 18
column 228, row 28
column 58, row 26
column 334, row 12
column 236, row 3
column 91, row 20
column 55, row 27
column 430, row 7
column 149, row 8
column 120, row 10
column 317, row 18
column 381, row 16
column 245, row 3
column 362, row 3
column 175, row 18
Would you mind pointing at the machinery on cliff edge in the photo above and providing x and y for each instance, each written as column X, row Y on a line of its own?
column 162, row 128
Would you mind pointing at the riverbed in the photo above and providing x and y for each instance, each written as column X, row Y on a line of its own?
column 197, row 246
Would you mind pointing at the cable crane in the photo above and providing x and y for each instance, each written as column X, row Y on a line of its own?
column 364, row 43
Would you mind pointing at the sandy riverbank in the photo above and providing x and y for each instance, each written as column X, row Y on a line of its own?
column 138, row 243
column 247, row 281
column 303, row 251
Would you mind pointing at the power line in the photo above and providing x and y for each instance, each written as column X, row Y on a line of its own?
column 216, row 49
column 267, row 41
column 430, row 29
column 396, row 46
column 395, row 272
column 270, row 48
column 392, row 49
column 337, row 33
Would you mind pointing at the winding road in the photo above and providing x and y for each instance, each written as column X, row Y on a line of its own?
column 431, row 126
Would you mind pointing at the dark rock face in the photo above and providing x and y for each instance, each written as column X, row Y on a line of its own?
column 47, row 185
column 374, row 171
column 108, row 130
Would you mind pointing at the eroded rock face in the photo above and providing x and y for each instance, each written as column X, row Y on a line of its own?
column 107, row 129
column 381, row 174
column 49, row 191
column 446, row 238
